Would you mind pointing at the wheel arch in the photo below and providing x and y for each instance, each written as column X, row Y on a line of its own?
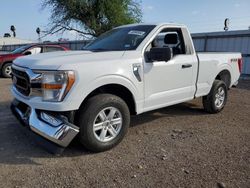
column 112, row 84
column 4, row 63
column 2, row 66
column 224, row 76
column 222, row 72
column 115, row 89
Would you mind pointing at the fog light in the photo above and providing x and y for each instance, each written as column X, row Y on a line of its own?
column 50, row 119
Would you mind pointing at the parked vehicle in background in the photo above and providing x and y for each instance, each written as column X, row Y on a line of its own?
column 129, row 70
column 7, row 59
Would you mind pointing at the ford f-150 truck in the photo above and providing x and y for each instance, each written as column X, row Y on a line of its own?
column 127, row 71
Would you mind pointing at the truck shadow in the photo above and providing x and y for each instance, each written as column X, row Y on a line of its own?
column 18, row 148
column 192, row 108
column 244, row 84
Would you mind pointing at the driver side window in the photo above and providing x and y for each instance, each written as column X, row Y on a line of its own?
column 172, row 38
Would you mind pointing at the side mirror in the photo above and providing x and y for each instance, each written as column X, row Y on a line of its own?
column 27, row 53
column 160, row 54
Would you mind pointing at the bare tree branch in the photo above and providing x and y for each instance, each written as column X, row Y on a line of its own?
column 57, row 28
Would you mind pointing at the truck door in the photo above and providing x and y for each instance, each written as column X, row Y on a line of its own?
column 171, row 82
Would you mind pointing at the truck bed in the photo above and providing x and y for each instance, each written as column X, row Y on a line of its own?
column 210, row 65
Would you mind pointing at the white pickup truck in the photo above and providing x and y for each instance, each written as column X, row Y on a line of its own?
column 127, row 71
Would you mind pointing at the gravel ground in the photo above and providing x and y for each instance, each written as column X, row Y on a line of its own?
column 178, row 146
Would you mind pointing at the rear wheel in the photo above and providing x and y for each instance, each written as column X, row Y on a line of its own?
column 6, row 70
column 103, row 122
column 215, row 101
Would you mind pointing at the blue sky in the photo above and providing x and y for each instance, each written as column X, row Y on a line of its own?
column 198, row 15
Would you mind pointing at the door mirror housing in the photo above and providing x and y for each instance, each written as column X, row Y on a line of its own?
column 27, row 53
column 160, row 54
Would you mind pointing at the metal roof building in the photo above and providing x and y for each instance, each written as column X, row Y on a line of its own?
column 226, row 41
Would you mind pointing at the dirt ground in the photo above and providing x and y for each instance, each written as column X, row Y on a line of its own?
column 178, row 146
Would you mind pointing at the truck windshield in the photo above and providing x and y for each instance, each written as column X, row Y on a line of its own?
column 120, row 39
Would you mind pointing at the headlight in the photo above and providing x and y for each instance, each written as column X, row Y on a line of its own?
column 56, row 84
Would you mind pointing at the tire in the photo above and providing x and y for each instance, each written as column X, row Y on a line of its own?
column 215, row 101
column 6, row 70
column 97, row 113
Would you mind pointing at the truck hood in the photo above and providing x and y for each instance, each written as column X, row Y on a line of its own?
column 53, row 60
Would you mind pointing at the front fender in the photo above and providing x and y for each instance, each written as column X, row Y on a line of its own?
column 111, row 79
column 1, row 63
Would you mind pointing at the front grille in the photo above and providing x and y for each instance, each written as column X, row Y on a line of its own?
column 21, row 81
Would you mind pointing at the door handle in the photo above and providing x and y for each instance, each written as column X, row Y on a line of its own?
column 186, row 66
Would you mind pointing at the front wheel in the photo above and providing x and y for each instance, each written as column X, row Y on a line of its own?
column 103, row 122
column 215, row 101
column 6, row 70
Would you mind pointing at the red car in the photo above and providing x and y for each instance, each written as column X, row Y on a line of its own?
column 7, row 59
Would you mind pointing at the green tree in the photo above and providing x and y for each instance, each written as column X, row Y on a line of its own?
column 93, row 16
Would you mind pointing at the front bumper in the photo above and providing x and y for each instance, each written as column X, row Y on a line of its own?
column 61, row 133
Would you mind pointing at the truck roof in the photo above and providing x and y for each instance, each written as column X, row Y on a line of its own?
column 156, row 24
